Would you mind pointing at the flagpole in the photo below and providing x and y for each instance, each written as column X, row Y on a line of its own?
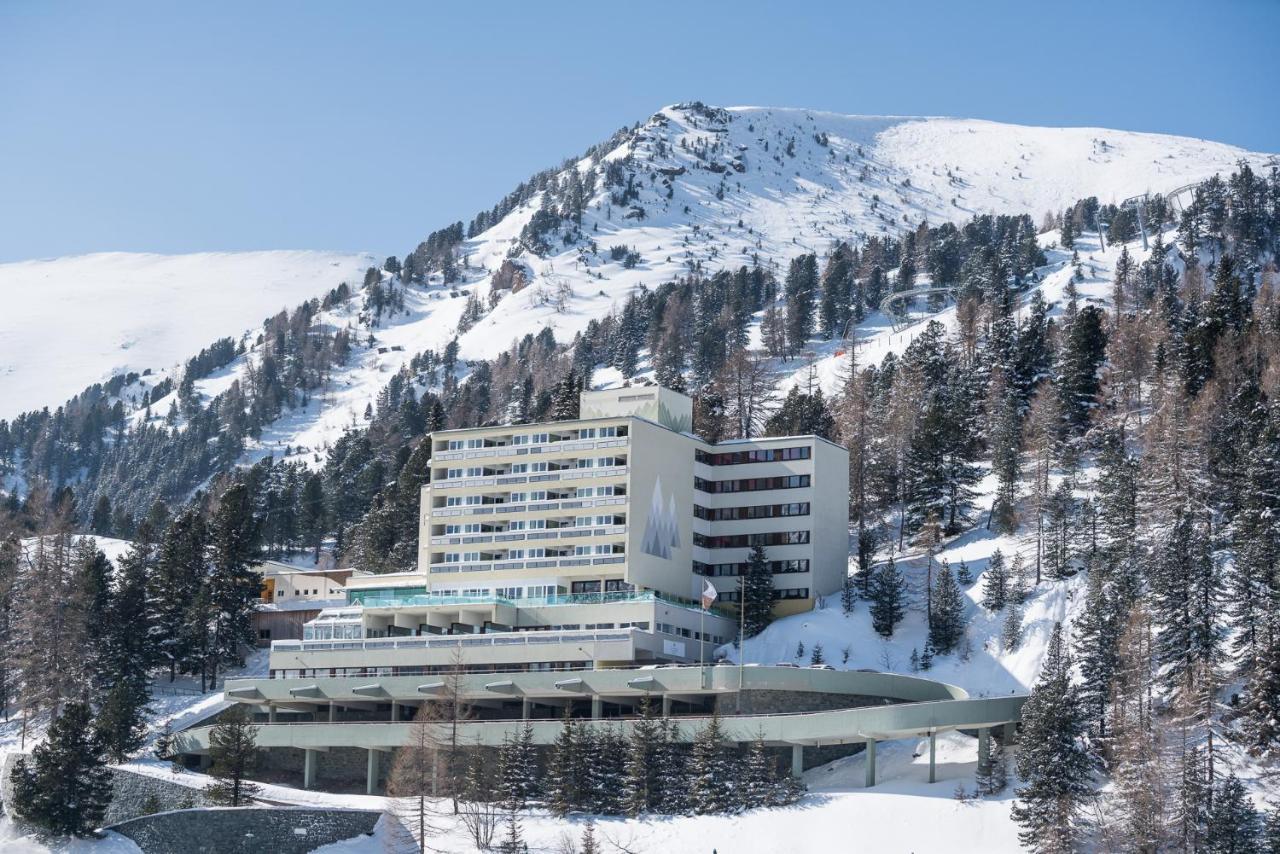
column 742, row 639
column 702, row 638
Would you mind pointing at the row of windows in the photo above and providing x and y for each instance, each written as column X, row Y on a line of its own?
column 757, row 511
column 766, row 455
column 778, row 593
column 751, row 484
column 535, row 495
column 737, row 541
column 730, row 570
column 680, row 631
column 537, row 438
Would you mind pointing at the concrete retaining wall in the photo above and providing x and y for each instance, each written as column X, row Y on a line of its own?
column 246, row 830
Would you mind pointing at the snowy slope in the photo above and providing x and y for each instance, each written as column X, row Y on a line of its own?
column 718, row 189
column 69, row 322
column 845, row 176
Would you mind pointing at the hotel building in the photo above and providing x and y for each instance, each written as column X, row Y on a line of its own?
column 586, row 543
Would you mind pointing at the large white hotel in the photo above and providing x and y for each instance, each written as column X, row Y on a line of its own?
column 585, row 543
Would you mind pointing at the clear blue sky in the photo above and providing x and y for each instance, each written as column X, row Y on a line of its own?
column 177, row 127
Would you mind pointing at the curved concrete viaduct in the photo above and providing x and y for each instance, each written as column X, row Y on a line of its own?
column 896, row 707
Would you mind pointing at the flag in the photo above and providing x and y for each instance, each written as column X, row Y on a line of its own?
column 709, row 595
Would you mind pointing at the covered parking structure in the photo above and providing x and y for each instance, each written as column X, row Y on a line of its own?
column 831, row 708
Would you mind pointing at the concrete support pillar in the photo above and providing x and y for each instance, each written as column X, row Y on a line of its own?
column 666, row 705
column 797, row 760
column 271, row 713
column 871, row 762
column 395, row 711
column 597, row 708
column 984, row 746
column 526, row 709
column 1010, row 734
column 333, row 712
column 310, row 758
column 933, row 750
column 371, row 773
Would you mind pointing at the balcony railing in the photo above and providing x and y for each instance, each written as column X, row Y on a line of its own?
column 620, row 596
column 454, row 641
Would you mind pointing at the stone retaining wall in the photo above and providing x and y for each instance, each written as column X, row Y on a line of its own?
column 132, row 794
column 246, row 830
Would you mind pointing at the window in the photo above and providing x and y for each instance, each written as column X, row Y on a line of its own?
column 450, row 474
column 475, row 471
column 585, row 586
column 455, row 444
column 507, row 592
column 451, row 557
column 587, row 433
column 759, row 511
column 582, row 550
column 762, row 455
column 453, row 501
column 515, row 554
column 264, row 634
column 453, row 529
column 737, row 541
column 751, row 484
column 586, row 463
column 721, row 570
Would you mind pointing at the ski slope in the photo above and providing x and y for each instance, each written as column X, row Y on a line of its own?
column 67, row 323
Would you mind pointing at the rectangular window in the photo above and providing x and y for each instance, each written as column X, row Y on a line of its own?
column 762, row 455
column 751, row 484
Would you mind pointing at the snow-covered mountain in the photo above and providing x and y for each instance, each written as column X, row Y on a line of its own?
column 693, row 187
column 69, row 322
column 720, row 187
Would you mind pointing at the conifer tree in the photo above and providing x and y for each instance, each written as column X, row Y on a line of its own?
column 563, row 783
column 65, row 787
column 946, row 626
column 1011, row 629
column 992, row 773
column 711, row 771
column 1053, row 761
column 888, row 598
column 756, row 593
column 234, row 750
column 995, row 583
column 1233, row 822
column 233, row 585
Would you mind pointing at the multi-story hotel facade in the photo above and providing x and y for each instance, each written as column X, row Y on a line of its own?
column 588, row 542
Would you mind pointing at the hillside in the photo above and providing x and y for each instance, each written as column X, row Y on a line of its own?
column 70, row 322
column 697, row 188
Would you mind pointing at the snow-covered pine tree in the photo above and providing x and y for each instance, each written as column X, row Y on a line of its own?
column 1011, row 629
column 234, row 751
column 992, row 772
column 65, row 787
column 946, row 627
column 1260, row 704
column 518, row 780
column 1234, row 826
column 1059, row 527
column 1053, row 761
column 888, row 598
column 712, row 772
column 756, row 592
column 1185, row 582
column 1097, row 634
column 562, row 782
column 995, row 583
